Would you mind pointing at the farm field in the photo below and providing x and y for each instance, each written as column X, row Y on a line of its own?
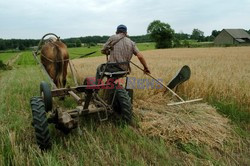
column 194, row 134
column 96, row 50
column 217, row 73
column 6, row 56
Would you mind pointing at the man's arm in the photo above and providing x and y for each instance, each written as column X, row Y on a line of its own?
column 143, row 62
column 106, row 46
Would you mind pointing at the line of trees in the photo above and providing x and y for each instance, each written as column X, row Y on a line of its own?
column 93, row 40
column 22, row 44
column 19, row 44
column 157, row 31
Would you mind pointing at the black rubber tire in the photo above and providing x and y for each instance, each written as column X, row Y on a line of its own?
column 40, row 123
column 123, row 105
column 131, row 94
column 45, row 92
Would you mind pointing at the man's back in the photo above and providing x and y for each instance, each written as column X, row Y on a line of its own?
column 123, row 49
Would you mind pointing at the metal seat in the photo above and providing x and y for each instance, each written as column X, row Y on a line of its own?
column 114, row 74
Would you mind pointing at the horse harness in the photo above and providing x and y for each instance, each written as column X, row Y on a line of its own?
column 52, row 61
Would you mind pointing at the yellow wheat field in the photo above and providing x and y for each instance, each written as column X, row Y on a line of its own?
column 223, row 73
column 218, row 73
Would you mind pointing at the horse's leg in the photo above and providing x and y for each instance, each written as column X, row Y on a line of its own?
column 65, row 67
column 52, row 73
column 47, row 60
column 50, row 70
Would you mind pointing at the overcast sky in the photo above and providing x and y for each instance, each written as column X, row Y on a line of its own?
column 31, row 19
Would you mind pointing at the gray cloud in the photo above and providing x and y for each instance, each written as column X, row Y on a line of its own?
column 74, row 18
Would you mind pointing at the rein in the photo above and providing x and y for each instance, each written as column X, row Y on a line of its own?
column 54, row 61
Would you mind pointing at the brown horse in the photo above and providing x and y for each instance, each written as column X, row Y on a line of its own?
column 55, row 58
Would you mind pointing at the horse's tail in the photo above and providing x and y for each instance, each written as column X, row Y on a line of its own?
column 59, row 67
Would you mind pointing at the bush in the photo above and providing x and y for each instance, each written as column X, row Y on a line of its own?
column 186, row 43
column 70, row 45
column 3, row 66
column 177, row 43
column 78, row 43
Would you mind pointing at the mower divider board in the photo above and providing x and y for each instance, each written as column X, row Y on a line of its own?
column 182, row 75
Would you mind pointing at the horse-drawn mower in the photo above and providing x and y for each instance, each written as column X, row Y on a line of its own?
column 46, row 110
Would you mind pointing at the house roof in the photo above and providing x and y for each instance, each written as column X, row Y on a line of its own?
column 240, row 40
column 238, row 33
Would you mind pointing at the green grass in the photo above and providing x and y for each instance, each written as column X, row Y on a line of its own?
column 195, row 43
column 240, row 115
column 192, row 148
column 81, row 51
column 26, row 59
column 100, row 144
column 7, row 56
column 145, row 46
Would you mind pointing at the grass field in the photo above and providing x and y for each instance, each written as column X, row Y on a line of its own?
column 219, row 75
column 6, row 56
column 96, row 50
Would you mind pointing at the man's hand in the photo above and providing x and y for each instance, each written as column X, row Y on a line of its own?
column 146, row 71
column 143, row 62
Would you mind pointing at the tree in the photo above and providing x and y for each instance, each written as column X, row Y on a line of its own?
column 186, row 43
column 21, row 47
column 176, row 42
column 215, row 33
column 2, row 45
column 182, row 36
column 197, row 35
column 78, row 43
column 161, row 33
column 248, row 31
column 70, row 45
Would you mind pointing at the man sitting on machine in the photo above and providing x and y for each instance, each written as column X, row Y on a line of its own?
column 120, row 50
